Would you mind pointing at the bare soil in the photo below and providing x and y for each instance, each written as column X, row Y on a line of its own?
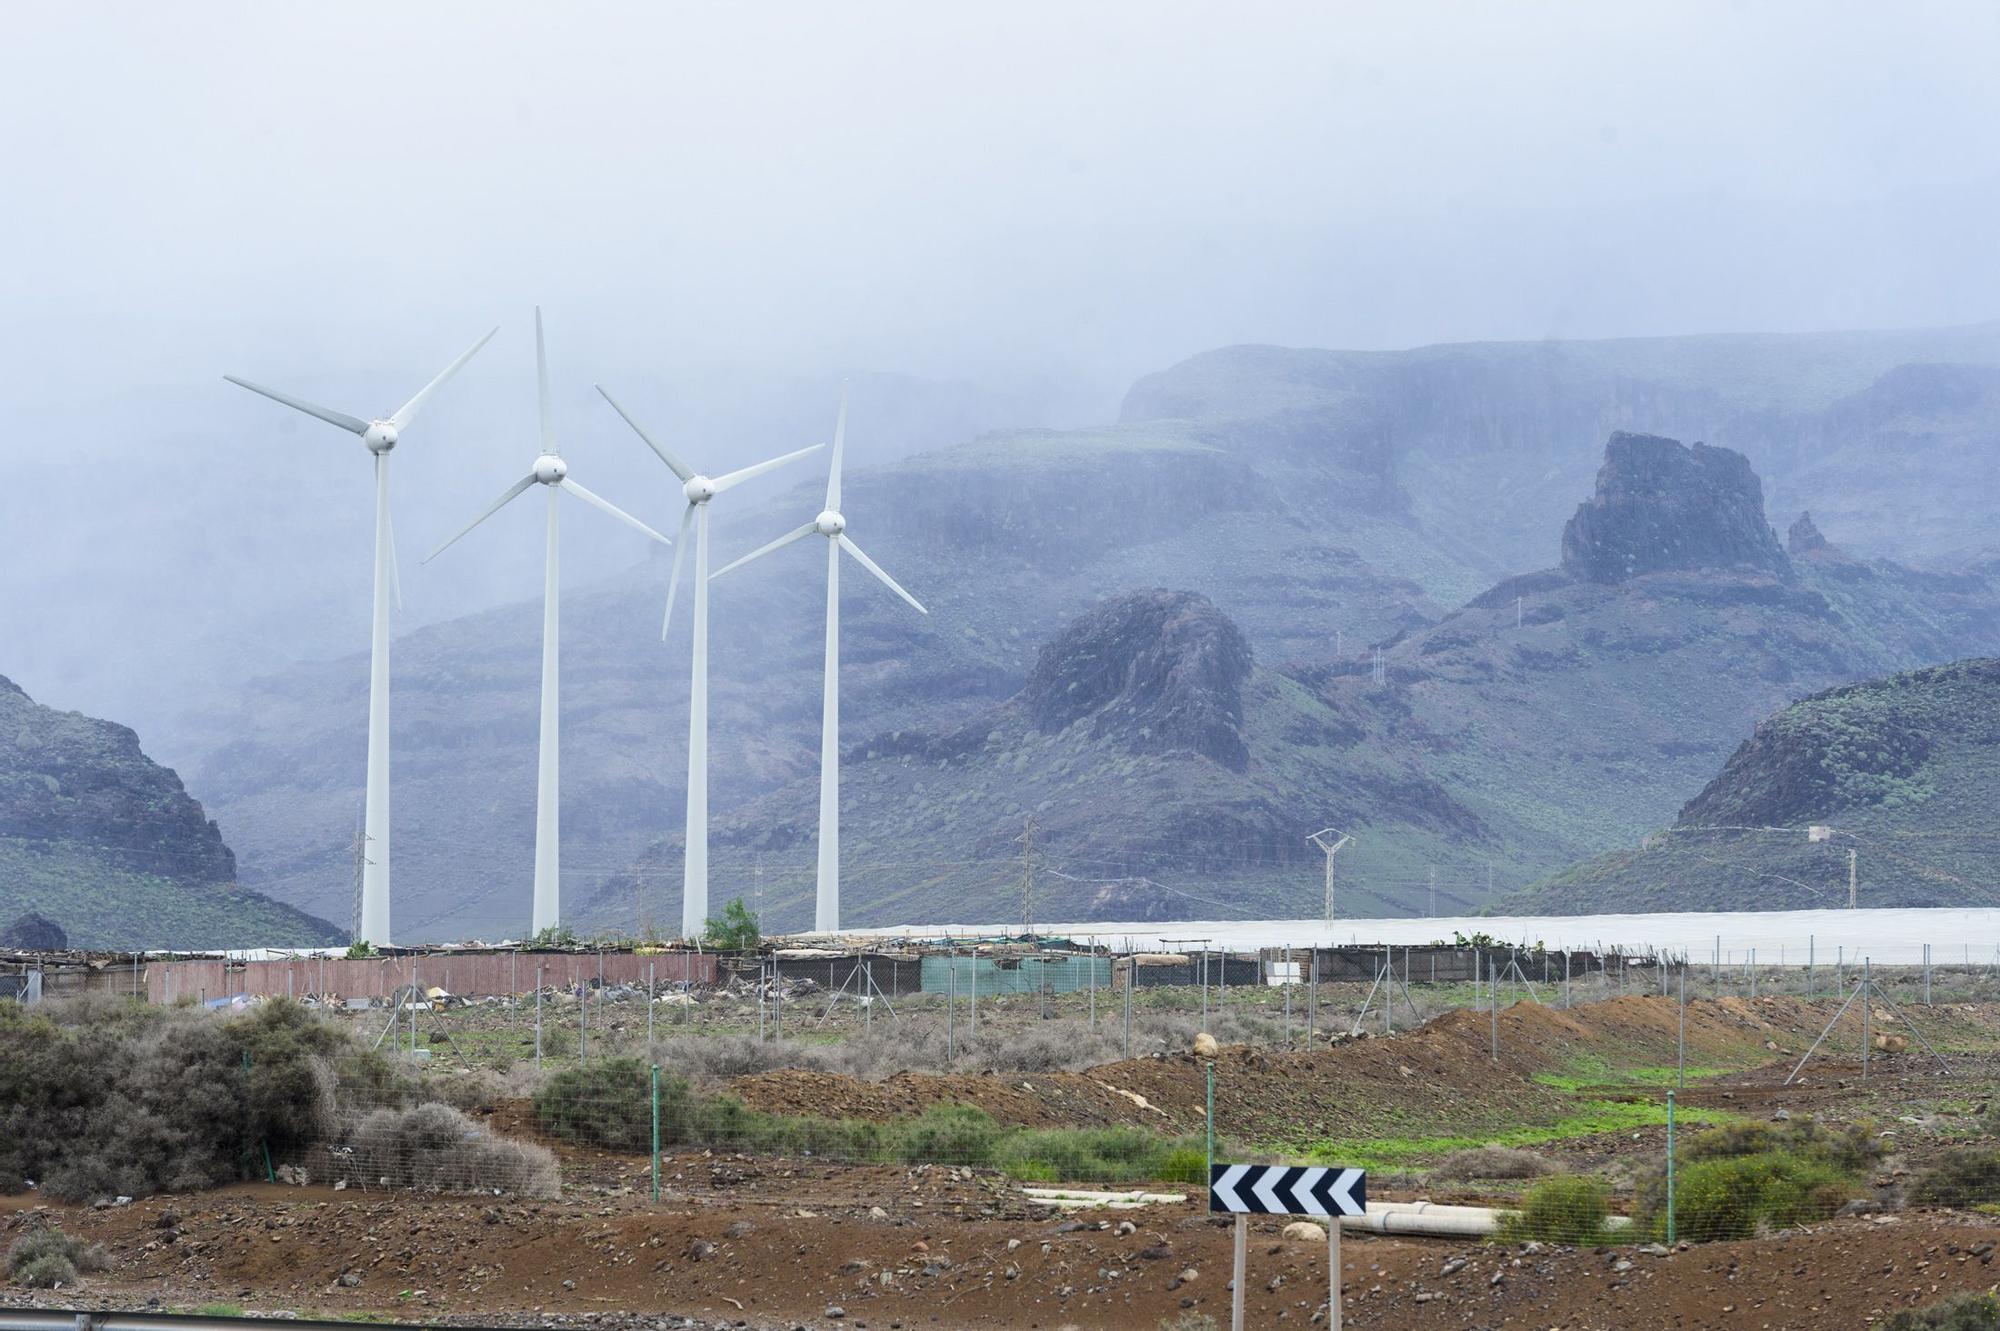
column 938, row 1255
column 763, row 1243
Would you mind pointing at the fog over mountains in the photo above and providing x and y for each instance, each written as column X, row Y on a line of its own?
column 1322, row 503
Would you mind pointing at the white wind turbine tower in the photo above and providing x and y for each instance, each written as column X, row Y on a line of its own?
column 381, row 436
column 699, row 490
column 833, row 526
column 551, row 472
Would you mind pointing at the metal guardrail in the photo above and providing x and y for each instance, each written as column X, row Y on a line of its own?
column 64, row 1319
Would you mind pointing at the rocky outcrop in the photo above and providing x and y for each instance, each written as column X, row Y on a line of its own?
column 69, row 780
column 34, row 933
column 1804, row 538
column 1158, row 670
column 1661, row 505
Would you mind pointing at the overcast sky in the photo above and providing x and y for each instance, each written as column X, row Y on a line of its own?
column 1038, row 200
column 1091, row 189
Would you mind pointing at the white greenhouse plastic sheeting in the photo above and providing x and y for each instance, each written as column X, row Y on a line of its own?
column 1887, row 937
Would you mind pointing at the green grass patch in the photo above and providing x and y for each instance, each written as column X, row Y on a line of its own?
column 1588, row 1071
column 1590, row 1118
column 219, row 1310
column 610, row 1104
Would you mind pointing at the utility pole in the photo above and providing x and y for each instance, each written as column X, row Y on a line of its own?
column 1028, row 878
column 1434, row 891
column 1851, row 884
column 1326, row 840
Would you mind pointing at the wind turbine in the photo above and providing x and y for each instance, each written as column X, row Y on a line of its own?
column 833, row 526
column 699, row 490
column 381, row 436
column 551, row 472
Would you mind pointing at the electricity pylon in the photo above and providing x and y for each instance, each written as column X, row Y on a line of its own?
column 1324, row 839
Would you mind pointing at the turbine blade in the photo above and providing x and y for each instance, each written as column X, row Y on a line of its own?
column 763, row 550
column 839, row 446
column 512, row 491
column 408, row 411
column 327, row 414
column 600, row 502
column 736, row 478
column 876, row 569
column 542, row 385
column 674, row 578
column 678, row 467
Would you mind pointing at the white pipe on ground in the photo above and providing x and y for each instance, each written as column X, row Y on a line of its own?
column 1421, row 1219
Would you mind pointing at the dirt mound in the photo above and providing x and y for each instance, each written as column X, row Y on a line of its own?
column 1416, row 1078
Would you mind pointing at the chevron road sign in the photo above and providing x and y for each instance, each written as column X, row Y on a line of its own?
column 1285, row 1190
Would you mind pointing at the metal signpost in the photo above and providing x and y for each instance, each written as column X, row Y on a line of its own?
column 1327, row 1191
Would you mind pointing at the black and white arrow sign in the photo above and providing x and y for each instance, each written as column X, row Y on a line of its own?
column 1287, row 1190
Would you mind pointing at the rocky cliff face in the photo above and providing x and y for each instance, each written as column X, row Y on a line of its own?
column 1663, row 506
column 106, row 849
column 1804, row 538
column 66, row 778
column 1157, row 670
column 1902, row 769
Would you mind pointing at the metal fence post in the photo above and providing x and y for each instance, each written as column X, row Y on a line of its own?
column 583, row 1028
column 1682, row 1064
column 1204, row 988
column 1289, row 978
column 1388, row 991
column 1210, row 1117
column 951, row 1010
column 1312, row 997
column 1093, row 984
column 1493, row 990
column 1670, row 1168
column 538, row 1018
column 1867, row 1002
column 1131, row 983
column 656, row 1134
column 1927, row 974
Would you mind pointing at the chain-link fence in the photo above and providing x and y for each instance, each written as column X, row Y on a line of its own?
column 1527, row 1097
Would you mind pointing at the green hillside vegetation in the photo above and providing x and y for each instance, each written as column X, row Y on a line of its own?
column 1904, row 770
column 107, row 844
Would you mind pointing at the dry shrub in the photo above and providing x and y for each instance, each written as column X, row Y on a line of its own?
column 1967, row 1176
column 434, row 1146
column 919, row 1043
column 45, row 1258
column 1491, row 1162
column 102, row 1096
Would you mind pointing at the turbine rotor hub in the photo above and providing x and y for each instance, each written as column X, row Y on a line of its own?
column 830, row 523
column 699, row 489
column 380, row 437
column 550, row 469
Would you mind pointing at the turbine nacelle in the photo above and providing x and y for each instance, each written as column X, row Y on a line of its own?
column 829, row 523
column 380, row 436
column 698, row 489
column 550, row 469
